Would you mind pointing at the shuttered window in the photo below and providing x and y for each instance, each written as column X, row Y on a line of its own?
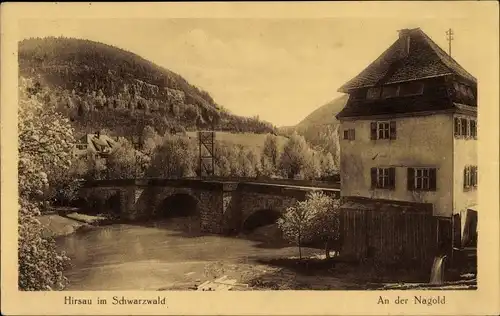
column 392, row 130
column 464, row 127
column 373, row 130
column 383, row 178
column 350, row 134
column 458, row 127
column 473, row 129
column 421, row 179
column 383, row 130
column 470, row 177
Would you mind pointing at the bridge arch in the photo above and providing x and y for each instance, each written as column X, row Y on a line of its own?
column 259, row 218
column 113, row 202
column 180, row 204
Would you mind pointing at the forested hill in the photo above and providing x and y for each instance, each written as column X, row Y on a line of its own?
column 103, row 87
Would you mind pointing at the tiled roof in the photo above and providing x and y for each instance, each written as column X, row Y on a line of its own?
column 101, row 143
column 425, row 59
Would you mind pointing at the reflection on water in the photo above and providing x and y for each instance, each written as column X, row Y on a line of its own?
column 133, row 257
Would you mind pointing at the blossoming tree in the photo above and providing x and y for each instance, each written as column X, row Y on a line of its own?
column 45, row 143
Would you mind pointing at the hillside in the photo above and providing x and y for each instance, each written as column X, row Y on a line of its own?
column 325, row 114
column 103, row 87
column 246, row 140
column 320, row 128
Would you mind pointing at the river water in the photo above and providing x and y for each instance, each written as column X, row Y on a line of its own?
column 153, row 256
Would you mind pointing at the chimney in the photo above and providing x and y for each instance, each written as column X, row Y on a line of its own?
column 404, row 42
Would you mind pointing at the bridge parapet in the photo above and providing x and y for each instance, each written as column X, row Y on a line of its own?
column 223, row 205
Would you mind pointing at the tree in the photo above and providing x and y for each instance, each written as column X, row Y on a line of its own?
column 295, row 224
column 315, row 219
column 124, row 162
column 295, row 157
column 64, row 186
column 191, row 114
column 270, row 153
column 325, row 225
column 45, row 143
column 176, row 158
column 151, row 139
column 267, row 168
column 328, row 167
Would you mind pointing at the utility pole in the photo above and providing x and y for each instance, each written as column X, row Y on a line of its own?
column 449, row 38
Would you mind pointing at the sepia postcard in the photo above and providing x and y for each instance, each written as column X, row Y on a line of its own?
column 256, row 158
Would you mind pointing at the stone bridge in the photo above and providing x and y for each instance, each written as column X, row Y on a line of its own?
column 223, row 206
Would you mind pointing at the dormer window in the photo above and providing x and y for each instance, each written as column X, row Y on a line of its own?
column 396, row 90
column 411, row 88
column 463, row 92
column 373, row 93
column 390, row 91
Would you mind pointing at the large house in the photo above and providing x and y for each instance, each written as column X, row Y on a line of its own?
column 408, row 145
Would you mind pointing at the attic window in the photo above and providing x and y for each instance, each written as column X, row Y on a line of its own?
column 390, row 91
column 463, row 92
column 411, row 88
column 373, row 93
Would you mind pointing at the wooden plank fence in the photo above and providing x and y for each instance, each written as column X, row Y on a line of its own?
column 389, row 236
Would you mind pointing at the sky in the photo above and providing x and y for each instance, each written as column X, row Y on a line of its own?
column 278, row 69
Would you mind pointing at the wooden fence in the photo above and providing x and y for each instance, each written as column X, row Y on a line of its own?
column 389, row 236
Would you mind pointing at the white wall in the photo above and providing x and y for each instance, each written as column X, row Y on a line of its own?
column 465, row 154
column 422, row 141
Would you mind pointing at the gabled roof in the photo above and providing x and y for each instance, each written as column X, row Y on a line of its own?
column 425, row 59
column 102, row 144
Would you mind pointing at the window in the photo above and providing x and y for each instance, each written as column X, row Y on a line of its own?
column 465, row 128
column 349, row 134
column 383, row 178
column 346, row 134
column 383, row 130
column 473, row 129
column 470, row 177
column 390, row 91
column 373, row 93
column 411, row 88
column 470, row 93
column 463, row 92
column 421, row 179
column 458, row 127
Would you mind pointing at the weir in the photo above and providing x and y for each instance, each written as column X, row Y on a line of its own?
column 437, row 271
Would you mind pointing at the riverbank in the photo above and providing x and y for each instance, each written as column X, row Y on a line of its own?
column 309, row 273
column 55, row 225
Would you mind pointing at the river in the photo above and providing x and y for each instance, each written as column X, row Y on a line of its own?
column 156, row 256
